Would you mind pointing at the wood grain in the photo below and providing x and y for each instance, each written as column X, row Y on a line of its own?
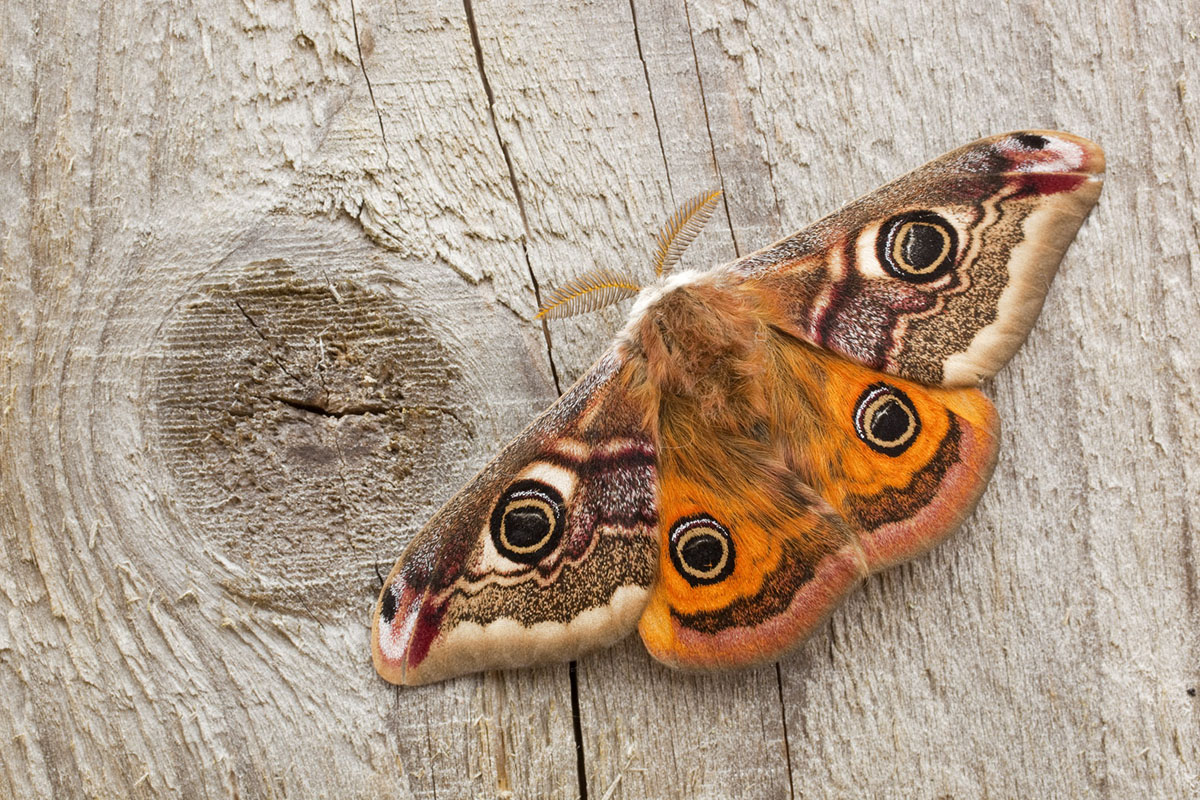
column 267, row 276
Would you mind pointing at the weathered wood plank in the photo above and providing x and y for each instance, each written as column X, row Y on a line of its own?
column 201, row 447
column 259, row 321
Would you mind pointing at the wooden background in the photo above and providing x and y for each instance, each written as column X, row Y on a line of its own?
column 268, row 272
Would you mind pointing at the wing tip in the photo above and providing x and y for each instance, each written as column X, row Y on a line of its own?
column 1048, row 152
column 392, row 634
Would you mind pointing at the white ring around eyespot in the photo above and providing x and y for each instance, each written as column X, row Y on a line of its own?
column 864, row 253
column 492, row 560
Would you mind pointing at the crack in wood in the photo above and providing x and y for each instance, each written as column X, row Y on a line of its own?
column 581, row 770
column 325, row 411
column 362, row 64
column 270, row 345
column 512, row 180
column 637, row 38
column 708, row 127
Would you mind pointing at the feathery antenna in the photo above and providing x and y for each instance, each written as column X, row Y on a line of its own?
column 591, row 291
column 681, row 229
column 602, row 287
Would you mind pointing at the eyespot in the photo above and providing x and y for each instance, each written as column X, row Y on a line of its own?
column 886, row 420
column 527, row 521
column 701, row 550
column 918, row 247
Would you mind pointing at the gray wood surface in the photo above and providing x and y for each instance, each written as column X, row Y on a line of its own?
column 267, row 274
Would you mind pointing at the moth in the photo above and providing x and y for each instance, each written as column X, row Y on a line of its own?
column 759, row 437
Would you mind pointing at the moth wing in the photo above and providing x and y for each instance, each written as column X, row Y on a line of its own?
column 548, row 552
column 938, row 276
column 748, row 566
column 761, row 535
column 901, row 462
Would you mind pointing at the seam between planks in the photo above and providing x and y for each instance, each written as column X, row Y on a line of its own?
column 787, row 747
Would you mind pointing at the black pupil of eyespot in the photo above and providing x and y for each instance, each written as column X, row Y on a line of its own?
column 922, row 246
column 890, row 422
column 388, row 609
column 526, row 526
column 703, row 552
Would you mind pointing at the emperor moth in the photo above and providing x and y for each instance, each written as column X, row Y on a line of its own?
column 759, row 437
